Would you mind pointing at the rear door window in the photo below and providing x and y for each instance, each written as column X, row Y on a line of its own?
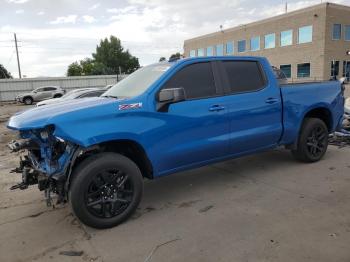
column 49, row 88
column 243, row 76
column 197, row 80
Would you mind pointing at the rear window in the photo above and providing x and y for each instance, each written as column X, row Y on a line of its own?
column 244, row 76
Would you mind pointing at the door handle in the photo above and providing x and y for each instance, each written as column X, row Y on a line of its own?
column 216, row 108
column 271, row 100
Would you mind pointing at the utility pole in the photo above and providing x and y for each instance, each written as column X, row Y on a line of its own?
column 19, row 66
column 286, row 8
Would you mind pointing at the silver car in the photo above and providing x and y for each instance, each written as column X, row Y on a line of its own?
column 74, row 94
column 39, row 94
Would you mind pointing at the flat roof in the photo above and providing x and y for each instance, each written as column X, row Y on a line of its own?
column 270, row 19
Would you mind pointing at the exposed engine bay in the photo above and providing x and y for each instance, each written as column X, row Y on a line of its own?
column 45, row 160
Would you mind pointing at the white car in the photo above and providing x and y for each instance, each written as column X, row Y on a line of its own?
column 40, row 94
column 74, row 94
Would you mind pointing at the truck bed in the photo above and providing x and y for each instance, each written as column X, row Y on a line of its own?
column 303, row 97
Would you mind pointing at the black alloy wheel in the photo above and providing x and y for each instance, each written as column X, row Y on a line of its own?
column 106, row 189
column 316, row 142
column 312, row 142
column 109, row 193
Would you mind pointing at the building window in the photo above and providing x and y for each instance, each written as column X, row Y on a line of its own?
column 305, row 34
column 346, row 69
column 210, row 51
column 255, row 43
column 270, row 41
column 287, row 38
column 336, row 32
column 192, row 53
column 347, row 33
column 220, row 50
column 334, row 69
column 303, row 70
column 229, row 48
column 241, row 46
column 287, row 70
column 200, row 52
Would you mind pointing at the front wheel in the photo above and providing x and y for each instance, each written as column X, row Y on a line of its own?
column 312, row 142
column 28, row 100
column 106, row 190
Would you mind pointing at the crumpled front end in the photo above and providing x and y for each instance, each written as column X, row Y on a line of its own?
column 46, row 160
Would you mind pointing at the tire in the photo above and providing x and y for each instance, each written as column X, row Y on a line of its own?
column 57, row 96
column 106, row 190
column 28, row 100
column 312, row 142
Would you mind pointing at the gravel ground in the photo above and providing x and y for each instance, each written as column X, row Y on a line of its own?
column 265, row 207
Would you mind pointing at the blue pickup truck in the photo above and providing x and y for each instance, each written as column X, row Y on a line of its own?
column 165, row 118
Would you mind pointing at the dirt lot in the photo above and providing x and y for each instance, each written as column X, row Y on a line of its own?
column 265, row 207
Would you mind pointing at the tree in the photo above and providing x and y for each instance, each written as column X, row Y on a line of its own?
column 74, row 69
column 4, row 73
column 111, row 54
column 175, row 56
column 162, row 59
column 110, row 58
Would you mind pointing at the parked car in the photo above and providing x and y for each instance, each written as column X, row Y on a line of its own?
column 107, row 87
column 166, row 118
column 39, row 94
column 74, row 94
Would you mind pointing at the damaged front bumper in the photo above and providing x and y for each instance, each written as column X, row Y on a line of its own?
column 46, row 160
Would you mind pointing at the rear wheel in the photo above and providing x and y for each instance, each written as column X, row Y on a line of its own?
column 28, row 100
column 106, row 190
column 313, row 141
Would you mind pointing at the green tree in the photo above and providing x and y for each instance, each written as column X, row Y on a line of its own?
column 175, row 56
column 111, row 53
column 162, row 59
column 4, row 73
column 87, row 65
column 74, row 69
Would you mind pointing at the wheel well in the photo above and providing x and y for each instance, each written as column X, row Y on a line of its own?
column 321, row 113
column 28, row 97
column 128, row 148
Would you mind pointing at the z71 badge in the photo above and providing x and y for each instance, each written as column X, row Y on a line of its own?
column 130, row 106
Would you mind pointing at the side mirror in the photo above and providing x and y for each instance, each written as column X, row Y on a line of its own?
column 169, row 96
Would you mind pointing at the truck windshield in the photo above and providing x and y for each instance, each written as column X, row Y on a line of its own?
column 138, row 82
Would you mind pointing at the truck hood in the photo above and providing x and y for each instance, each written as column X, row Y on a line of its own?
column 70, row 110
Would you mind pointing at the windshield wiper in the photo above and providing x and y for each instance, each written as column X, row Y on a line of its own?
column 109, row 96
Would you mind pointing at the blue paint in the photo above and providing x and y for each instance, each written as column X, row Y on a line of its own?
column 189, row 134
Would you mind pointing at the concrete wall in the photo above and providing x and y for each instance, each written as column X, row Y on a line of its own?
column 9, row 88
column 318, row 53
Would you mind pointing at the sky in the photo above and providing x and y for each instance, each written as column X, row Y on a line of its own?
column 53, row 34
